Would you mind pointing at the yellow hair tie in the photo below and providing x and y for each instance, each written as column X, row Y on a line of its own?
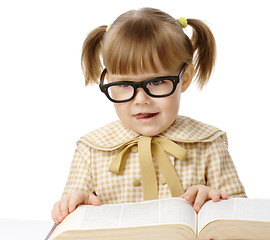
column 183, row 21
column 107, row 29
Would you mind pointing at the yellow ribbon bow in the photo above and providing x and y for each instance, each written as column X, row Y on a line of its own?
column 158, row 147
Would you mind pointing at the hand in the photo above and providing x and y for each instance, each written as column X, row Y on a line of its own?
column 199, row 194
column 69, row 202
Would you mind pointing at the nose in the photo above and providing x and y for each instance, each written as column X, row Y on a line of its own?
column 141, row 97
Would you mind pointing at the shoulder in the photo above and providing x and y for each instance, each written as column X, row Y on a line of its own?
column 186, row 129
column 109, row 137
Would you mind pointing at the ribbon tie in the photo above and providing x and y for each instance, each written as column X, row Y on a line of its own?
column 158, row 147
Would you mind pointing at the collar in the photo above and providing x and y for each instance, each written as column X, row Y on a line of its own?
column 184, row 129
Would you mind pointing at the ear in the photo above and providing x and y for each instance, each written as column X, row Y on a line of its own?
column 187, row 77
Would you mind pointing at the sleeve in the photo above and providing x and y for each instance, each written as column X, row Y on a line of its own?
column 80, row 177
column 221, row 173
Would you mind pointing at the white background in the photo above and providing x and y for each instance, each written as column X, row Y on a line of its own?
column 45, row 107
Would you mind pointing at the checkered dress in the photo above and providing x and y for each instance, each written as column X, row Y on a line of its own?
column 208, row 162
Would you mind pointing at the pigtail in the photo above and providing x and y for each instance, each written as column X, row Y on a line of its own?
column 204, row 47
column 90, row 59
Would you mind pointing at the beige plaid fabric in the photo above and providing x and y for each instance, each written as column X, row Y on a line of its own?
column 208, row 162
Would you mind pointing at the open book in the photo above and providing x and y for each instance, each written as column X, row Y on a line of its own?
column 169, row 219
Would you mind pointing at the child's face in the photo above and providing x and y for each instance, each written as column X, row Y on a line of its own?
column 147, row 115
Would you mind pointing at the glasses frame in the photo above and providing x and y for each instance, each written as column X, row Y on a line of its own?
column 142, row 84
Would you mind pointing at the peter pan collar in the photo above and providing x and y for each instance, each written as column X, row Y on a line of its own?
column 184, row 129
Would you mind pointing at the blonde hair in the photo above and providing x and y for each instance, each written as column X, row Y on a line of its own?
column 138, row 39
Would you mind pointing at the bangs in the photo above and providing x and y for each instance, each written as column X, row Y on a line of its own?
column 144, row 45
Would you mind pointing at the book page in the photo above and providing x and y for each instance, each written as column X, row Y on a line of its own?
column 177, row 210
column 158, row 212
column 72, row 221
column 252, row 209
column 150, row 213
column 147, row 213
column 234, row 209
column 215, row 210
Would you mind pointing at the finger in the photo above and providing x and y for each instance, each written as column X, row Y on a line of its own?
column 190, row 194
column 93, row 200
column 64, row 206
column 56, row 212
column 224, row 195
column 200, row 199
column 76, row 199
column 214, row 195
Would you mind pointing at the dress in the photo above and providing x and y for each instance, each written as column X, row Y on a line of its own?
column 208, row 162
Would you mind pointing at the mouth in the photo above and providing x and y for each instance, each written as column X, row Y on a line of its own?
column 142, row 116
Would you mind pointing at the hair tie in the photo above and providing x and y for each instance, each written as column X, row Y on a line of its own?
column 183, row 22
column 107, row 29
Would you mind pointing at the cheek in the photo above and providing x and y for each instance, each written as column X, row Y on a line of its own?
column 121, row 110
column 172, row 103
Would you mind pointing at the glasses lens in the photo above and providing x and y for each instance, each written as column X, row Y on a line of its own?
column 121, row 92
column 160, row 87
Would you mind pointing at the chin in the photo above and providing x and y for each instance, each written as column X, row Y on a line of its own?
column 149, row 133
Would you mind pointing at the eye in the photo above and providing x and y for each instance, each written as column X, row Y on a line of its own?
column 124, row 85
column 157, row 82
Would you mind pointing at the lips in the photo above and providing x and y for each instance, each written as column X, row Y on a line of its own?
column 144, row 115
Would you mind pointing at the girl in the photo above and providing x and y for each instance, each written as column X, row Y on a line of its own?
column 151, row 152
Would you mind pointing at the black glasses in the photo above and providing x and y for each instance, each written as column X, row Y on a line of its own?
column 124, row 91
